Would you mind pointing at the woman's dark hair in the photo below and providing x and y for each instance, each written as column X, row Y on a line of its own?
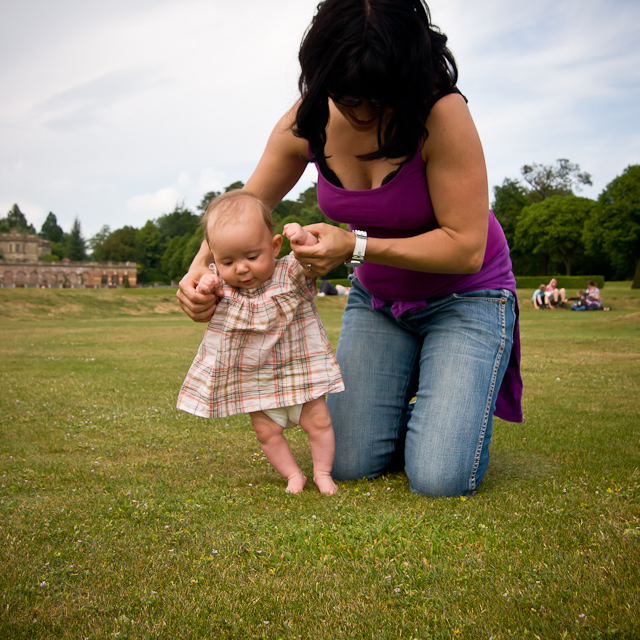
column 383, row 49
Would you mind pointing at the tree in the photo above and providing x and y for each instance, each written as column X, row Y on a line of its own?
column 51, row 230
column 206, row 199
column 151, row 246
column 16, row 222
column 173, row 257
column 210, row 195
column 179, row 222
column 76, row 245
column 238, row 184
column 119, row 246
column 560, row 179
column 554, row 226
column 96, row 242
column 538, row 183
column 614, row 226
column 509, row 200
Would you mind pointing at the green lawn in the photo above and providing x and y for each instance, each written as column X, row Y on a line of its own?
column 121, row 517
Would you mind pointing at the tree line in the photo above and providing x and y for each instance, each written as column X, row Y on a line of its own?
column 550, row 229
column 163, row 248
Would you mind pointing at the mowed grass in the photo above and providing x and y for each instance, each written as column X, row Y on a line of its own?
column 121, row 517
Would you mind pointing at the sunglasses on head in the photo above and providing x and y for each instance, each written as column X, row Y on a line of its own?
column 353, row 102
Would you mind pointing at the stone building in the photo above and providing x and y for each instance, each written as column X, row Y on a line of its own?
column 20, row 267
column 23, row 247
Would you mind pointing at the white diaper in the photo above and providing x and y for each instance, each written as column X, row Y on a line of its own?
column 286, row 417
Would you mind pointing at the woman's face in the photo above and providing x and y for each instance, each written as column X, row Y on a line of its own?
column 363, row 116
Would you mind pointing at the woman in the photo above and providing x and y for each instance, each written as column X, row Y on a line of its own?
column 593, row 301
column 432, row 312
column 554, row 297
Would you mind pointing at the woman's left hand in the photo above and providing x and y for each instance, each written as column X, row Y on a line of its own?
column 335, row 245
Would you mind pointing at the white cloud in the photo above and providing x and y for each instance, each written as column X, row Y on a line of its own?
column 212, row 180
column 153, row 204
column 113, row 112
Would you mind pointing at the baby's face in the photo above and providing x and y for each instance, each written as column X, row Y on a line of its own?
column 244, row 250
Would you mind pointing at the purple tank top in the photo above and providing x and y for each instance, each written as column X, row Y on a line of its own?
column 402, row 208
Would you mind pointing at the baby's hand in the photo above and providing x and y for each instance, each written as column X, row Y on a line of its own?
column 297, row 235
column 208, row 283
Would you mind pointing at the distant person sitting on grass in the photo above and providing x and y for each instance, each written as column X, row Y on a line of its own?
column 326, row 288
column 593, row 298
column 538, row 297
column 555, row 297
column 589, row 300
column 265, row 351
column 580, row 303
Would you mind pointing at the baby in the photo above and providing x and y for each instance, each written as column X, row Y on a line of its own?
column 265, row 351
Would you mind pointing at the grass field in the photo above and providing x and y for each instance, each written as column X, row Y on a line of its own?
column 122, row 518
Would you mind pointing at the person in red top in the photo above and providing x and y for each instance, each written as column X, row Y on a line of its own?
column 555, row 297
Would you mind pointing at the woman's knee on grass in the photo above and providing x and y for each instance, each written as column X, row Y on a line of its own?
column 443, row 482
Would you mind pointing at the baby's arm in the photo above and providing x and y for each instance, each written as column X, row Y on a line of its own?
column 210, row 283
column 298, row 236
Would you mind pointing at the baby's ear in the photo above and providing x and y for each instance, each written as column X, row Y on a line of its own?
column 277, row 244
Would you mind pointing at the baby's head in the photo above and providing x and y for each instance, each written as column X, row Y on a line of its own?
column 239, row 231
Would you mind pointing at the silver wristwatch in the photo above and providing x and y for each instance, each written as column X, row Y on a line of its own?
column 358, row 252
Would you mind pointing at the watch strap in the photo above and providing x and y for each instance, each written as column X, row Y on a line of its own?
column 359, row 250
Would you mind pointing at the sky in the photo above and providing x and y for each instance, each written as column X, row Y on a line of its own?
column 114, row 112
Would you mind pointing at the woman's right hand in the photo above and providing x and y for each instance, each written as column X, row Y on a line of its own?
column 200, row 307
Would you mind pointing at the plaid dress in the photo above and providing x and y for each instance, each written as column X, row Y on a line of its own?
column 264, row 348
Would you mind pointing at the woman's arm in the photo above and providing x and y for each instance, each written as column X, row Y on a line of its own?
column 457, row 179
column 280, row 167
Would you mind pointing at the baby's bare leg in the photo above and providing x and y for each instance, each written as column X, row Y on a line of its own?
column 276, row 449
column 316, row 421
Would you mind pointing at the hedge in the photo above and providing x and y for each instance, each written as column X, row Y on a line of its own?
column 334, row 281
column 570, row 283
column 567, row 282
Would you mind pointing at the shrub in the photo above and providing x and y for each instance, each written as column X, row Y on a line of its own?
column 568, row 282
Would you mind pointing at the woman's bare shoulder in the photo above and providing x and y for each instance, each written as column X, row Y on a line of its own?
column 450, row 126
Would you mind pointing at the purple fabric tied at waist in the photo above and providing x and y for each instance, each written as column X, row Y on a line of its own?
column 400, row 307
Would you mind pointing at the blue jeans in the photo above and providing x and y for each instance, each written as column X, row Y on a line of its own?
column 451, row 356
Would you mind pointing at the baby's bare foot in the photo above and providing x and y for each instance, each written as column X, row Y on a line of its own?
column 296, row 483
column 325, row 484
